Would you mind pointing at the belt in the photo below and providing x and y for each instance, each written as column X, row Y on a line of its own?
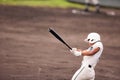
column 89, row 66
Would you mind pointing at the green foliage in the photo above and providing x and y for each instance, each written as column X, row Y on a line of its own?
column 42, row 3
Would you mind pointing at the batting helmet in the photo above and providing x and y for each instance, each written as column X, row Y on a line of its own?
column 92, row 37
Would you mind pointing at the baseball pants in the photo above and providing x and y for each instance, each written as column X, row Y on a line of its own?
column 84, row 73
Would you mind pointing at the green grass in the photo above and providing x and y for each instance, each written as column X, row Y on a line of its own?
column 42, row 3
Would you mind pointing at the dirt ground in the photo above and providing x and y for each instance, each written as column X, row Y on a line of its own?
column 29, row 52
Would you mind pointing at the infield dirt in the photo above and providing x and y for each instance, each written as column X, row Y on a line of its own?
column 29, row 52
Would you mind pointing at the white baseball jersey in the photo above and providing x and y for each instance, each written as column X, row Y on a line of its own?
column 92, row 60
column 86, row 72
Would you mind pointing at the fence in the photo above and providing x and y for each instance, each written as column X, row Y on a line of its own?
column 108, row 3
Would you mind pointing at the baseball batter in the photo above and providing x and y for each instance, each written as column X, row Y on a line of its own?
column 95, row 2
column 90, row 57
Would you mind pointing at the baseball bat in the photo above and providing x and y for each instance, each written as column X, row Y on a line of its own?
column 58, row 37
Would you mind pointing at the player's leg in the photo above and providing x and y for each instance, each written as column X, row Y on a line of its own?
column 93, row 78
column 90, row 71
column 87, row 4
column 78, row 74
column 84, row 73
column 97, row 5
column 98, row 8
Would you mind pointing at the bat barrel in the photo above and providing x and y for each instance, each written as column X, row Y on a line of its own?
column 58, row 37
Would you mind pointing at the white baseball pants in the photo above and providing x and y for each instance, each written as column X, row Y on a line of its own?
column 84, row 73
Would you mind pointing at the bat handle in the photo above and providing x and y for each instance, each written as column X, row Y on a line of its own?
column 68, row 46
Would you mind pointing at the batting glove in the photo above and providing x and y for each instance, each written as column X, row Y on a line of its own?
column 75, row 52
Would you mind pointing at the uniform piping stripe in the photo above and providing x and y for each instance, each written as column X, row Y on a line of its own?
column 79, row 73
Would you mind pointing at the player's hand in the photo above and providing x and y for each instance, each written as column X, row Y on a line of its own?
column 75, row 52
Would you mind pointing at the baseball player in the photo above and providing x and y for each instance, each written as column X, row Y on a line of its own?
column 95, row 2
column 90, row 57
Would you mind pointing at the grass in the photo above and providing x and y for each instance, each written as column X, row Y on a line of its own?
column 42, row 3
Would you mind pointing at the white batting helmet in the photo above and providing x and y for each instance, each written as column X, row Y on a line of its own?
column 92, row 37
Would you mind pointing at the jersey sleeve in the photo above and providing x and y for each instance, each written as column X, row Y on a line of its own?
column 98, row 44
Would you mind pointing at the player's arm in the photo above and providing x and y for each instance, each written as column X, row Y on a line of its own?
column 90, row 53
column 78, row 52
